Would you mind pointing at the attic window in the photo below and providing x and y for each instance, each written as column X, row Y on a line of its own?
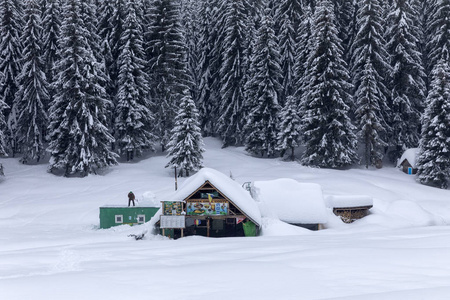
column 119, row 219
column 141, row 219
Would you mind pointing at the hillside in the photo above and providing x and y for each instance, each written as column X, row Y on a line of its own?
column 51, row 247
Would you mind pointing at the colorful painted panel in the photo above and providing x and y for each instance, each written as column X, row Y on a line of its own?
column 207, row 208
column 172, row 208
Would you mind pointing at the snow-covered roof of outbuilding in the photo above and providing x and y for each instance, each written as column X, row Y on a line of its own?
column 227, row 186
column 411, row 155
column 291, row 201
column 344, row 201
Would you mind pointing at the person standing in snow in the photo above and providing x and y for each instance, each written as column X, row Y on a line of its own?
column 131, row 198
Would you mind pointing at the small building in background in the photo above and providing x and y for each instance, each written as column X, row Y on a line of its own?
column 210, row 204
column 407, row 161
column 350, row 207
column 300, row 204
column 120, row 215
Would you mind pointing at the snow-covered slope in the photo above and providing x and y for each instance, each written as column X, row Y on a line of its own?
column 51, row 247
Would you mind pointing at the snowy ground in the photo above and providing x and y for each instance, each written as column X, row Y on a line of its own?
column 51, row 247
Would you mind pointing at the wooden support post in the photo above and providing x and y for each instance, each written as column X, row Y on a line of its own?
column 207, row 227
column 164, row 232
column 182, row 232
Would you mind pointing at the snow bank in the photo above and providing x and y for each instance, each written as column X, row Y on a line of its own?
column 227, row 186
column 291, row 201
column 341, row 201
column 411, row 155
column 275, row 227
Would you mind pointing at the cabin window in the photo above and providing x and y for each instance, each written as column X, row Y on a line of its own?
column 119, row 219
column 141, row 219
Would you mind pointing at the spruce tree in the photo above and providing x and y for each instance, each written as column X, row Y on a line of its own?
column 2, row 127
column 32, row 96
column 329, row 136
column 231, row 73
column 79, row 139
column 262, row 122
column 289, row 129
column 434, row 157
column 406, row 79
column 186, row 144
column 438, row 31
column 209, row 64
column 51, row 23
column 133, row 116
column 11, row 26
column 167, row 63
column 369, row 68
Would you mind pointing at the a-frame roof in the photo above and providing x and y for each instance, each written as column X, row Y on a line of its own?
column 229, row 188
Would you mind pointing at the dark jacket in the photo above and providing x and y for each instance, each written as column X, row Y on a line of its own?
column 131, row 196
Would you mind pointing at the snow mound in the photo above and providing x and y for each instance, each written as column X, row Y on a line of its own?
column 149, row 200
column 275, row 227
column 291, row 201
column 341, row 201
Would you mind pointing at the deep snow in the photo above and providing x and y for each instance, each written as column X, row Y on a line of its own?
column 51, row 247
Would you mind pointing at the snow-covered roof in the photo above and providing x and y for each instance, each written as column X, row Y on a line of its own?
column 411, row 155
column 291, row 201
column 341, row 201
column 227, row 186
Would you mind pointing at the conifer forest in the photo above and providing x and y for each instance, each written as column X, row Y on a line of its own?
column 329, row 83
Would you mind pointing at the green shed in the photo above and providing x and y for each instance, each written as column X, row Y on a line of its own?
column 118, row 215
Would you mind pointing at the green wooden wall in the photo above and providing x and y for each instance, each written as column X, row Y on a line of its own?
column 129, row 215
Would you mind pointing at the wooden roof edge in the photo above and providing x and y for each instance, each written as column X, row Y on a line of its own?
column 354, row 207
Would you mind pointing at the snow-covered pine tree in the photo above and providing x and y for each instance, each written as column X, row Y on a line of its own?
column 79, row 139
column 329, row 136
column 288, row 19
column 434, row 157
column 132, row 114
column 345, row 12
column 168, row 69
column 209, row 64
column 369, row 66
column 261, row 128
column 51, row 23
column 32, row 95
column 302, row 53
column 107, row 11
column 289, row 128
column 438, row 31
column 231, row 73
column 3, row 126
column 11, row 26
column 406, row 82
column 186, row 144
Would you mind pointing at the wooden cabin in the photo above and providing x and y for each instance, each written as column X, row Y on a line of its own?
column 350, row 207
column 211, row 205
column 295, row 203
column 407, row 162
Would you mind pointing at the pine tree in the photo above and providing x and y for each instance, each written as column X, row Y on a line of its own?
column 262, row 122
column 32, row 95
column 10, row 53
column 288, row 19
column 302, row 53
column 328, row 132
column 3, row 126
column 186, row 144
column 369, row 67
column 406, row 80
column 231, row 73
column 133, row 116
column 209, row 64
column 51, row 23
column 289, row 129
column 79, row 139
column 167, row 65
column 438, row 31
column 434, row 157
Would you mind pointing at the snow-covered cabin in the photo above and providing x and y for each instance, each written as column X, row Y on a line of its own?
column 215, row 205
column 408, row 161
column 290, row 201
column 350, row 207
